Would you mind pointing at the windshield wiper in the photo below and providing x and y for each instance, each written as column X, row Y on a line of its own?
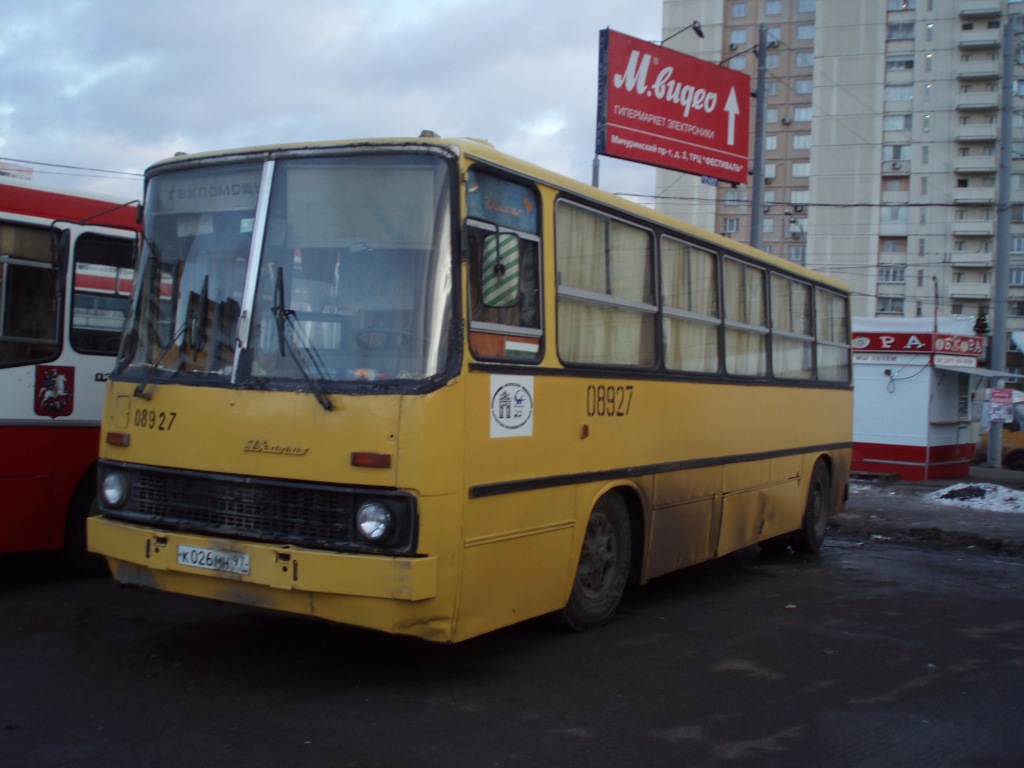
column 286, row 321
column 140, row 389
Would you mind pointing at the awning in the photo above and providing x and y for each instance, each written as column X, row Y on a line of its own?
column 984, row 372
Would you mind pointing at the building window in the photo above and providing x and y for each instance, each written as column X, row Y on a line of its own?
column 897, row 213
column 1017, row 245
column 772, row 61
column 731, row 226
column 804, row 87
column 800, row 170
column 892, row 152
column 738, row 37
column 805, row 58
column 1017, row 277
column 797, row 252
column 900, row 31
column 897, row 122
column 802, row 114
column 738, row 10
column 771, row 88
column 799, row 196
column 805, row 6
column 890, row 305
column 900, row 61
column 899, row 92
column 801, row 141
column 891, row 274
column 805, row 32
column 929, row 61
column 772, row 7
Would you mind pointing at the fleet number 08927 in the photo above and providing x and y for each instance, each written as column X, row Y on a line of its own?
column 609, row 399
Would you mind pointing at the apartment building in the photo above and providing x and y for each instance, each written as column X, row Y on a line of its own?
column 881, row 149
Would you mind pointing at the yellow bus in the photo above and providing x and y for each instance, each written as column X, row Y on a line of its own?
column 419, row 386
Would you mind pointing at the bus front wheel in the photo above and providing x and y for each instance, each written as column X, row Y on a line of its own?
column 808, row 539
column 603, row 566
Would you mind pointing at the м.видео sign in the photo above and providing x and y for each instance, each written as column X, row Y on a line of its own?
column 661, row 107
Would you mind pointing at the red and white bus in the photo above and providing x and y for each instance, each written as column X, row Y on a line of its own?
column 66, row 270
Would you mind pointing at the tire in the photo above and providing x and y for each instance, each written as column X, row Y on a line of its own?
column 603, row 567
column 808, row 539
column 1014, row 461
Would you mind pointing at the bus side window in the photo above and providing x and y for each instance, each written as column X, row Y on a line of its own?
column 28, row 295
column 504, row 296
column 102, row 292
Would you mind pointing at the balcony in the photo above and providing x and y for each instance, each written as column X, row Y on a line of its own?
column 978, row 71
column 966, row 166
column 979, row 40
column 976, row 134
column 965, row 229
column 970, row 291
column 974, row 260
column 893, row 229
column 986, row 101
column 971, row 10
column 978, row 196
column 895, row 167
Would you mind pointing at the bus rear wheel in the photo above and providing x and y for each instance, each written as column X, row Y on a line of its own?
column 808, row 539
column 603, row 566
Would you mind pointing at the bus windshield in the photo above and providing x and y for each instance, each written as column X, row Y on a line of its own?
column 351, row 281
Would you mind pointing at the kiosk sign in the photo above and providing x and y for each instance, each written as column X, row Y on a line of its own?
column 661, row 107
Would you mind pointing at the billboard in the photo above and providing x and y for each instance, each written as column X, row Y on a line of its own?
column 661, row 107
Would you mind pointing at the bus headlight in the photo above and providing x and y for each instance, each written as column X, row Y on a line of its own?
column 374, row 521
column 114, row 489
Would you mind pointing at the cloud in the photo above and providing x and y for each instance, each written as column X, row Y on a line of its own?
column 111, row 84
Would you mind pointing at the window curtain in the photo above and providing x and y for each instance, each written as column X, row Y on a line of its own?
column 690, row 284
column 745, row 347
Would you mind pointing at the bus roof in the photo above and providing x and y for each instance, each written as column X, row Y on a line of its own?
column 27, row 199
column 484, row 151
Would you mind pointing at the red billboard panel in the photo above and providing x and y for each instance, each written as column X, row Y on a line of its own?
column 661, row 107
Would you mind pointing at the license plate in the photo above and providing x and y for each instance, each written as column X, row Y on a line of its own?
column 213, row 559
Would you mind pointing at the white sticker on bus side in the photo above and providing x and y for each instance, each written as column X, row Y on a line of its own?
column 511, row 406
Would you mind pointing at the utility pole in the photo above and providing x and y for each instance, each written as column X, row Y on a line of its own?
column 1001, row 263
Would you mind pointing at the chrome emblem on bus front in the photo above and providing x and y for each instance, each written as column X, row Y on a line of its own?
column 263, row 446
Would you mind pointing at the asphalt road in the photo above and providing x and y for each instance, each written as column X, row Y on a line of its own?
column 870, row 654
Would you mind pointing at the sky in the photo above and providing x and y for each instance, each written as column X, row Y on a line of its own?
column 116, row 85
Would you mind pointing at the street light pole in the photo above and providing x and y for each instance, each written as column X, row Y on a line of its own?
column 757, row 193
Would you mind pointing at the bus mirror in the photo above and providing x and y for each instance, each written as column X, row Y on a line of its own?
column 500, row 271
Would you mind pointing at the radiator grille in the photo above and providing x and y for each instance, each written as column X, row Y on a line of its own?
column 308, row 515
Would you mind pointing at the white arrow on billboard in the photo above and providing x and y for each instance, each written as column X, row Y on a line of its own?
column 732, row 106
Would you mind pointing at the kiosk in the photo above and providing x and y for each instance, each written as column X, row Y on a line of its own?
column 914, row 382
